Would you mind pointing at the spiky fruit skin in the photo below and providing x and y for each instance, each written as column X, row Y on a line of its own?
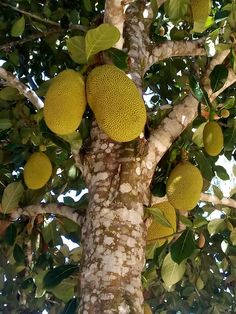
column 147, row 308
column 157, row 231
column 37, row 171
column 213, row 140
column 65, row 102
column 184, row 186
column 117, row 105
column 200, row 9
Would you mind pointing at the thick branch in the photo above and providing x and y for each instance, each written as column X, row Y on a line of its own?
column 114, row 14
column 209, row 198
column 12, row 81
column 175, row 49
column 56, row 209
column 9, row 45
column 172, row 126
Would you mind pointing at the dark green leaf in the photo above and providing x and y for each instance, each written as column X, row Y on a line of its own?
column 55, row 276
column 218, row 77
column 5, row 124
column 183, row 247
column 10, row 234
column 118, row 57
column 204, row 165
column 70, row 307
column 198, row 91
column 76, row 49
column 159, row 216
column 159, row 189
column 18, row 254
column 221, row 173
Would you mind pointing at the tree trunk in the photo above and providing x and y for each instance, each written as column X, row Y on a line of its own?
column 113, row 232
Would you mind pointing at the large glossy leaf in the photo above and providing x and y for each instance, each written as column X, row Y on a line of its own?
column 70, row 307
column 55, row 276
column 76, row 49
column 11, row 196
column 218, row 77
column 10, row 234
column 101, row 38
column 172, row 272
column 221, row 173
column 118, row 57
column 183, row 247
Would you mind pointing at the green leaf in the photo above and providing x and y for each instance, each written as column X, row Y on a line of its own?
column 183, row 247
column 221, row 173
column 87, row 5
column 204, row 165
column 216, row 226
column 76, row 49
column 184, row 220
column 176, row 9
column 198, row 91
column 198, row 135
column 218, row 77
column 159, row 216
column 18, row 254
column 199, row 222
column 64, row 291
column 5, row 124
column 172, row 272
column 217, row 191
column 11, row 196
column 55, row 276
column 9, row 93
column 101, row 38
column 10, row 234
column 50, row 233
column 18, row 27
column 233, row 236
column 118, row 57
column 70, row 307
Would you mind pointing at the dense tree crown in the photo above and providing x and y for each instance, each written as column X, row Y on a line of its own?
column 112, row 143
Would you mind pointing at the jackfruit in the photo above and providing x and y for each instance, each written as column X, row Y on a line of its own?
column 117, row 105
column 213, row 140
column 65, row 102
column 37, row 171
column 147, row 308
column 157, row 231
column 200, row 9
column 184, row 186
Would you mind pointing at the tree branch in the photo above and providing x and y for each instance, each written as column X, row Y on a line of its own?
column 175, row 49
column 114, row 14
column 172, row 126
column 9, row 45
column 56, row 209
column 38, row 18
column 12, row 81
column 209, row 198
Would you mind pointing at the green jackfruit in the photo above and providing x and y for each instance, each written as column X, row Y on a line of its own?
column 213, row 140
column 184, row 186
column 37, row 171
column 117, row 105
column 65, row 102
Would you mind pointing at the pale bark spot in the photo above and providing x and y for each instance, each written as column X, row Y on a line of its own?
column 98, row 166
column 108, row 150
column 125, row 188
column 138, row 171
column 111, row 144
column 130, row 215
column 93, row 299
column 108, row 240
column 104, row 146
column 107, row 296
column 124, row 308
column 131, row 242
column 149, row 165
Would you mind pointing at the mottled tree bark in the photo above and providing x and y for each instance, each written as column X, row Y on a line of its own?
column 113, row 232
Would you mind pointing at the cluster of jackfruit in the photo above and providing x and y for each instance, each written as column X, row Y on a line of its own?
column 114, row 99
column 117, row 105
